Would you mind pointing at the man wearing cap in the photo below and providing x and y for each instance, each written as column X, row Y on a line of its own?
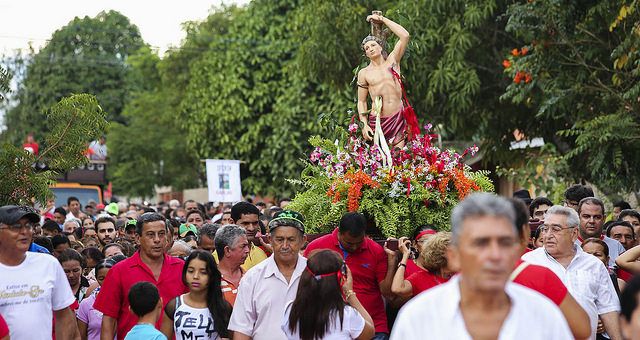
column 372, row 268
column 265, row 290
column 32, row 285
column 150, row 263
column 187, row 229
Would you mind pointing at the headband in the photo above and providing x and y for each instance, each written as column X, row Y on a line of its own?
column 425, row 232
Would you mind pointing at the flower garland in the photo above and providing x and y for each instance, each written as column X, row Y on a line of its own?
column 421, row 186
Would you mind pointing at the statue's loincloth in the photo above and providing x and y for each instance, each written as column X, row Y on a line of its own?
column 394, row 127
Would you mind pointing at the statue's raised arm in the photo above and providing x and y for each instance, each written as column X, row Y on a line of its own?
column 399, row 31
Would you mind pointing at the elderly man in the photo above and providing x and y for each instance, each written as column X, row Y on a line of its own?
column 149, row 263
column 266, row 289
column 591, row 212
column 207, row 237
column 34, row 287
column 232, row 248
column 481, row 302
column 584, row 275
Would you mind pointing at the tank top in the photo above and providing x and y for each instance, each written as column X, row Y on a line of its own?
column 192, row 323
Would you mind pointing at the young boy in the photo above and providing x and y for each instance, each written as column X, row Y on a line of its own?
column 145, row 302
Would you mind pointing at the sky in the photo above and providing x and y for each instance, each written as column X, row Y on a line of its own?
column 159, row 21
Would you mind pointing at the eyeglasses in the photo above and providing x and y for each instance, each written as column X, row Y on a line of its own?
column 16, row 228
column 553, row 228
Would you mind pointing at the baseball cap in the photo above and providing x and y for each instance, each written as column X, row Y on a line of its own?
column 185, row 229
column 10, row 214
column 287, row 218
column 112, row 208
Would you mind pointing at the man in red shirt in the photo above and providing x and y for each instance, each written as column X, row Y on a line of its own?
column 372, row 268
column 150, row 264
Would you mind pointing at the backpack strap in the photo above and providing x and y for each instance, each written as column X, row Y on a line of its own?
column 518, row 270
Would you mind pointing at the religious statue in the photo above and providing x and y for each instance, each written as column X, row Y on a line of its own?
column 391, row 120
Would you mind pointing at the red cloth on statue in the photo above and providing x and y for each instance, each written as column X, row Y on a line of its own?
column 393, row 127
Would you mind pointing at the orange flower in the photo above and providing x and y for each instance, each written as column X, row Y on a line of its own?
column 519, row 77
column 524, row 51
column 515, row 52
column 506, row 63
column 527, row 78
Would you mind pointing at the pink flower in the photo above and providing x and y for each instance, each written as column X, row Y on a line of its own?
column 353, row 128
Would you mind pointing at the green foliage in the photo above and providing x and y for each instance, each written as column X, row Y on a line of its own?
column 247, row 99
column 88, row 55
column 74, row 121
column 585, row 67
column 5, row 80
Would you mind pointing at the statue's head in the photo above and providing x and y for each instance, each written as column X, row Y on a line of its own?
column 372, row 46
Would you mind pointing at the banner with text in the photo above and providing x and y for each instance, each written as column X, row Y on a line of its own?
column 223, row 180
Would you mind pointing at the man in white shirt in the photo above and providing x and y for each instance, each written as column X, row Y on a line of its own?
column 32, row 285
column 267, row 287
column 481, row 302
column 583, row 274
column 591, row 213
column 99, row 148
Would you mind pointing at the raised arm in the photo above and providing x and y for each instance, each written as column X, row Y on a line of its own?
column 628, row 260
column 399, row 31
column 400, row 286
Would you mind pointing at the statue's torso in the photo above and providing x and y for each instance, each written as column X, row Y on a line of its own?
column 382, row 83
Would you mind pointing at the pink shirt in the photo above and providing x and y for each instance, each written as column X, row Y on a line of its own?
column 113, row 299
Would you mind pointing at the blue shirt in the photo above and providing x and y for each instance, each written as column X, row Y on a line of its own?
column 37, row 248
column 144, row 332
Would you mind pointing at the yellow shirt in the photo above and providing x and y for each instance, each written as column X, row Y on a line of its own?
column 256, row 255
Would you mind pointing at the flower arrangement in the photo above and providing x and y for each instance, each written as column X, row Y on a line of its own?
column 421, row 187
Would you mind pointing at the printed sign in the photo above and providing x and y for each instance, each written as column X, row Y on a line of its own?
column 223, row 180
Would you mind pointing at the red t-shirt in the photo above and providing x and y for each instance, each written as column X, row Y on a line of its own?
column 4, row 329
column 623, row 274
column 411, row 268
column 31, row 147
column 542, row 280
column 423, row 280
column 368, row 267
column 113, row 299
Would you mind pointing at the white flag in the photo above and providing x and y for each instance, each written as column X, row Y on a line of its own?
column 223, row 180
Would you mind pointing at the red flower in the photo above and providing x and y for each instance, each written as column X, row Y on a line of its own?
column 506, row 63
column 524, row 51
column 527, row 78
column 515, row 52
column 519, row 77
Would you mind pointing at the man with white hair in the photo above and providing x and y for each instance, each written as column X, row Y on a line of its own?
column 481, row 302
column 583, row 274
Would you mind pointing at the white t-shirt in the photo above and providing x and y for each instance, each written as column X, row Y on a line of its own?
column 192, row 323
column 99, row 150
column 436, row 314
column 29, row 292
column 352, row 325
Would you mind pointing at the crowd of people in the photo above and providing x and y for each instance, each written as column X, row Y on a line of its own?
column 516, row 268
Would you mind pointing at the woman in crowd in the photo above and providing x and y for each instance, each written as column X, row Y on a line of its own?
column 90, row 242
column 195, row 217
column 432, row 259
column 89, row 319
column 326, row 307
column 72, row 264
column 599, row 249
column 420, row 237
column 204, row 301
column 92, row 257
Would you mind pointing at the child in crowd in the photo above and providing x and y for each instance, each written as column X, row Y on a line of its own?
column 203, row 302
column 145, row 302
